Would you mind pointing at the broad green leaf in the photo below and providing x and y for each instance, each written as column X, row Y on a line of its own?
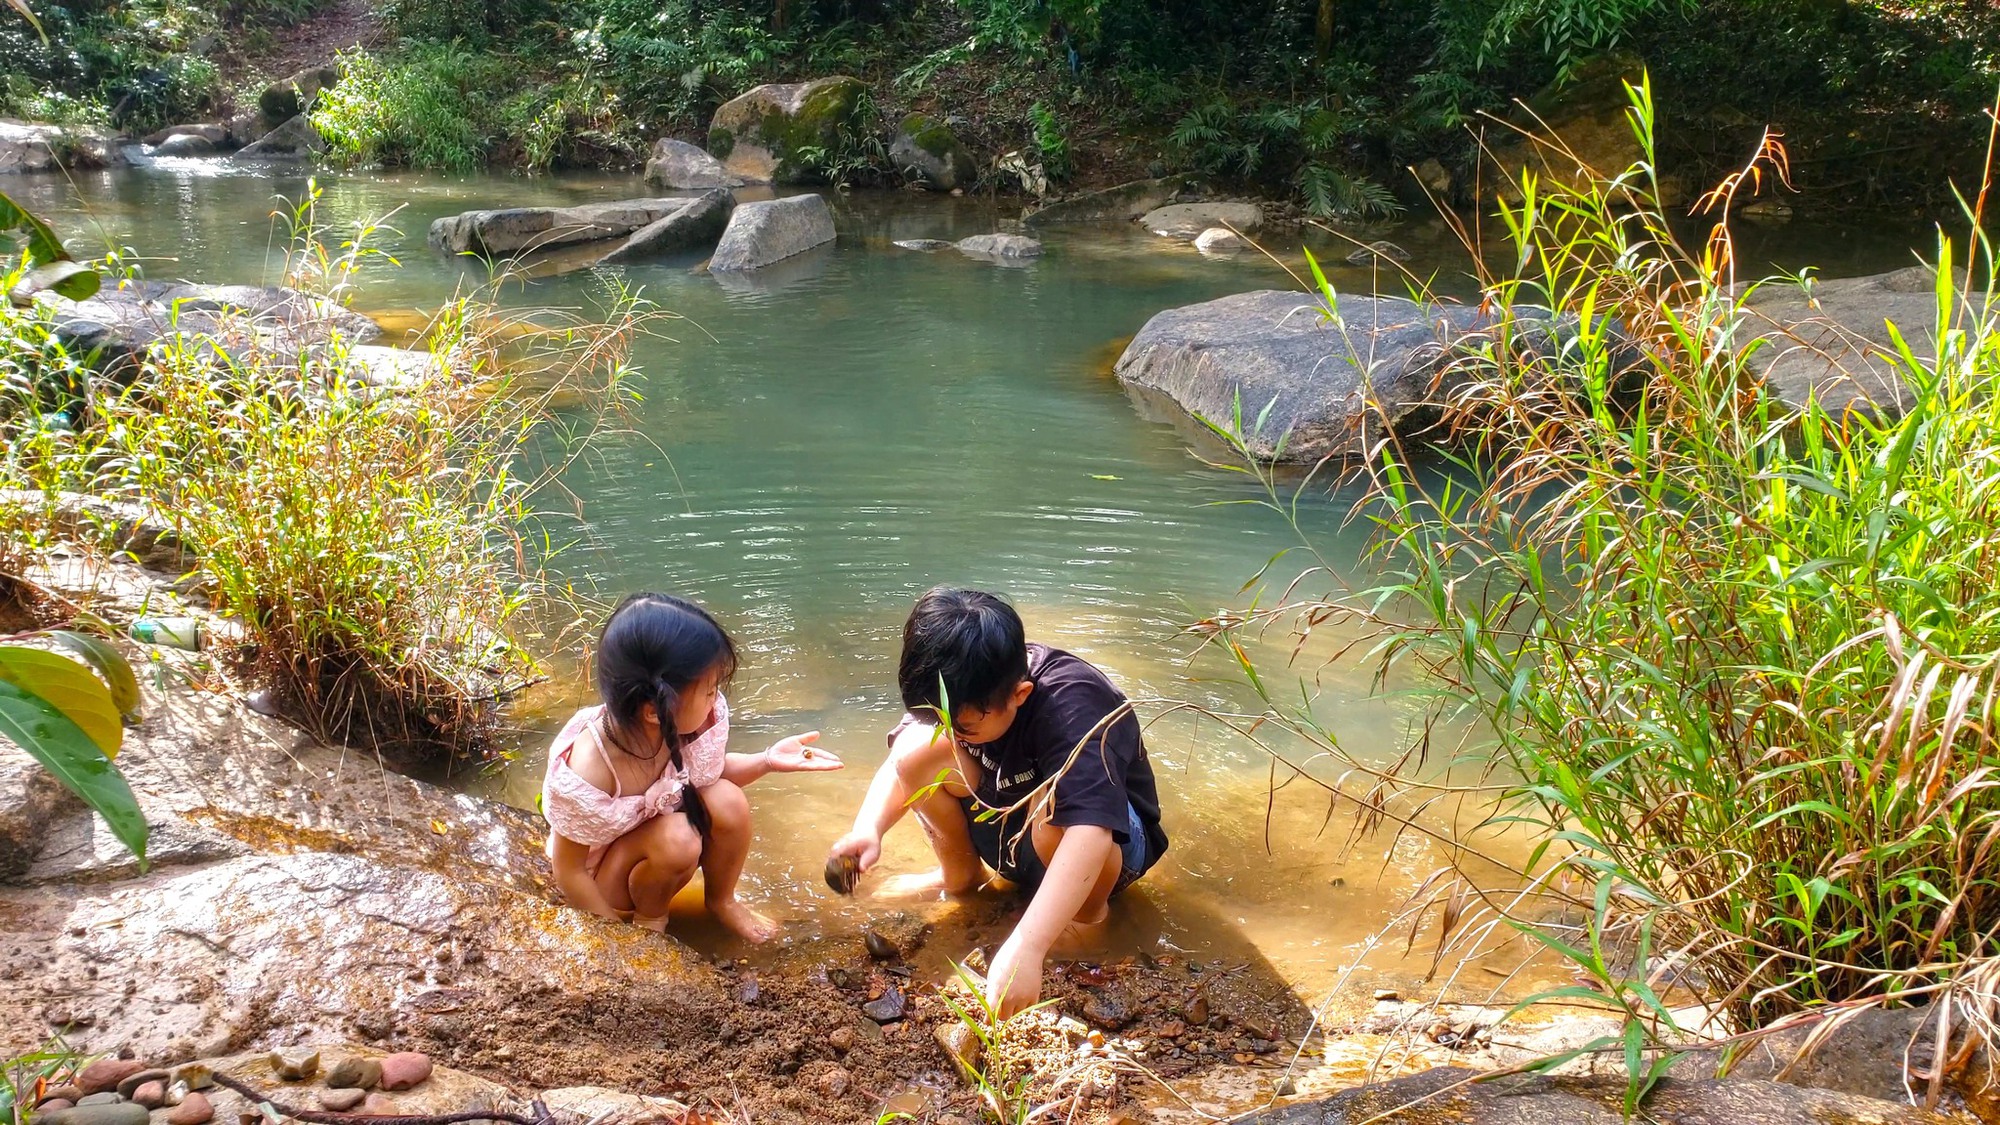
column 68, row 687
column 43, row 245
column 65, row 279
column 40, row 728
column 110, row 663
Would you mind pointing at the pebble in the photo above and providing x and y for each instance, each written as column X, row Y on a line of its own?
column 129, row 1085
column 879, row 947
column 1172, row 1029
column 106, row 1074
column 1072, row 1027
column 177, row 1093
column 50, row 1105
column 405, row 1069
column 295, row 1064
column 355, row 1073
column 102, row 1097
column 380, row 1105
column 194, row 1075
column 1286, row 1087
column 193, row 1110
column 69, row 1092
column 888, row 1009
column 342, row 1099
column 1387, row 996
column 1197, row 1012
column 1106, row 1010
column 100, row 1113
column 152, row 1095
column 841, row 1039
column 835, row 1081
column 747, row 990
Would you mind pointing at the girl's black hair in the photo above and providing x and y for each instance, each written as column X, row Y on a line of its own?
column 654, row 647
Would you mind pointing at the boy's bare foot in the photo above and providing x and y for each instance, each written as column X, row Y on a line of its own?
column 1080, row 939
column 919, row 885
column 744, row 922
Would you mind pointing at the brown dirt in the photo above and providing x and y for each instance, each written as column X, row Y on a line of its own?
column 314, row 41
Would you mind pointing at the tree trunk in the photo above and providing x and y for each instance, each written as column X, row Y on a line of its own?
column 1323, row 28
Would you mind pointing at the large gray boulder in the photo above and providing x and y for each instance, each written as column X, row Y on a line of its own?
column 1329, row 388
column 927, row 151
column 772, row 230
column 681, row 166
column 289, row 97
column 120, row 324
column 1831, row 343
column 1454, row 1094
column 40, row 148
column 296, row 139
column 1119, row 204
column 763, row 135
column 185, row 144
column 512, row 230
column 1187, row 220
column 696, row 226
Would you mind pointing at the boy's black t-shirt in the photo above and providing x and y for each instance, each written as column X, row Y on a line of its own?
column 1068, row 704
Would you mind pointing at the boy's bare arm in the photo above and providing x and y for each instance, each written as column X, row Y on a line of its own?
column 1015, row 979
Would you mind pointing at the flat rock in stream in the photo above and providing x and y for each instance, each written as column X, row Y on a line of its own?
column 1328, row 390
column 1831, row 342
column 1119, row 204
column 120, row 323
column 1449, row 1095
column 696, row 226
column 770, row 230
column 512, row 230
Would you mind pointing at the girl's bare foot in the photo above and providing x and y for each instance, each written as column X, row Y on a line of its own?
column 657, row 925
column 744, row 922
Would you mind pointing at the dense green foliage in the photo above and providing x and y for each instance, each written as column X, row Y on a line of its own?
column 1738, row 659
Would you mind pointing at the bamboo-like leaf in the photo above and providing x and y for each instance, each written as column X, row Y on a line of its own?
column 110, row 663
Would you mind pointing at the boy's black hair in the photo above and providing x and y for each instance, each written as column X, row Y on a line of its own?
column 969, row 641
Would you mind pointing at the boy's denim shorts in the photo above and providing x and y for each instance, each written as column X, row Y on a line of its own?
column 1007, row 849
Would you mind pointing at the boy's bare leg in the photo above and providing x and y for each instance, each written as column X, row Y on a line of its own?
column 921, row 754
column 1085, row 932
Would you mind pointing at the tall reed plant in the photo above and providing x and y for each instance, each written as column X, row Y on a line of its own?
column 1735, row 662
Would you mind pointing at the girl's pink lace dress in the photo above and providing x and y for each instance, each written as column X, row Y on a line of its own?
column 580, row 811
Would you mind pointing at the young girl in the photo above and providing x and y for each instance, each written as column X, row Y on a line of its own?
column 640, row 791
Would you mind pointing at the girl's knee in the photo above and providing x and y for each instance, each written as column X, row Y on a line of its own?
column 673, row 844
column 728, row 808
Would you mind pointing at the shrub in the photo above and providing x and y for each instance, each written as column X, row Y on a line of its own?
column 427, row 106
column 1739, row 661
column 374, row 544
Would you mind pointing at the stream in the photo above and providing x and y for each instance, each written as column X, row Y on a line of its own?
column 819, row 443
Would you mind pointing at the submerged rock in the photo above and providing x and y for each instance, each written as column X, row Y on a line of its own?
column 1188, row 220
column 923, row 245
column 927, row 151
column 1321, row 389
column 1220, row 240
column 1119, row 204
column 1000, row 247
column 1380, row 251
column 763, row 134
column 185, row 144
column 696, row 226
column 507, row 231
column 772, row 230
column 682, row 166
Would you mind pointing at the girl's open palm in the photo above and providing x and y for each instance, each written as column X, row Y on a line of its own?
column 797, row 754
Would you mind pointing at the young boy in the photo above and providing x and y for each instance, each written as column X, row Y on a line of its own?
column 1035, row 731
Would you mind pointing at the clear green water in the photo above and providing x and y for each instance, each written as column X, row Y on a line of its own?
column 846, row 430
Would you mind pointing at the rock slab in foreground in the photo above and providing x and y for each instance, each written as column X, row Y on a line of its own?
column 696, row 226
column 1839, row 353
column 1448, row 1094
column 681, row 166
column 1329, row 390
column 511, row 230
column 772, row 230
column 763, row 134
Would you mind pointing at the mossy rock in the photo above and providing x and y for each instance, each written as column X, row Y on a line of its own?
column 926, row 150
column 771, row 133
column 283, row 100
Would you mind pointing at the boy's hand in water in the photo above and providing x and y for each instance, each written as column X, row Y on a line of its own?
column 863, row 847
column 797, row 754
